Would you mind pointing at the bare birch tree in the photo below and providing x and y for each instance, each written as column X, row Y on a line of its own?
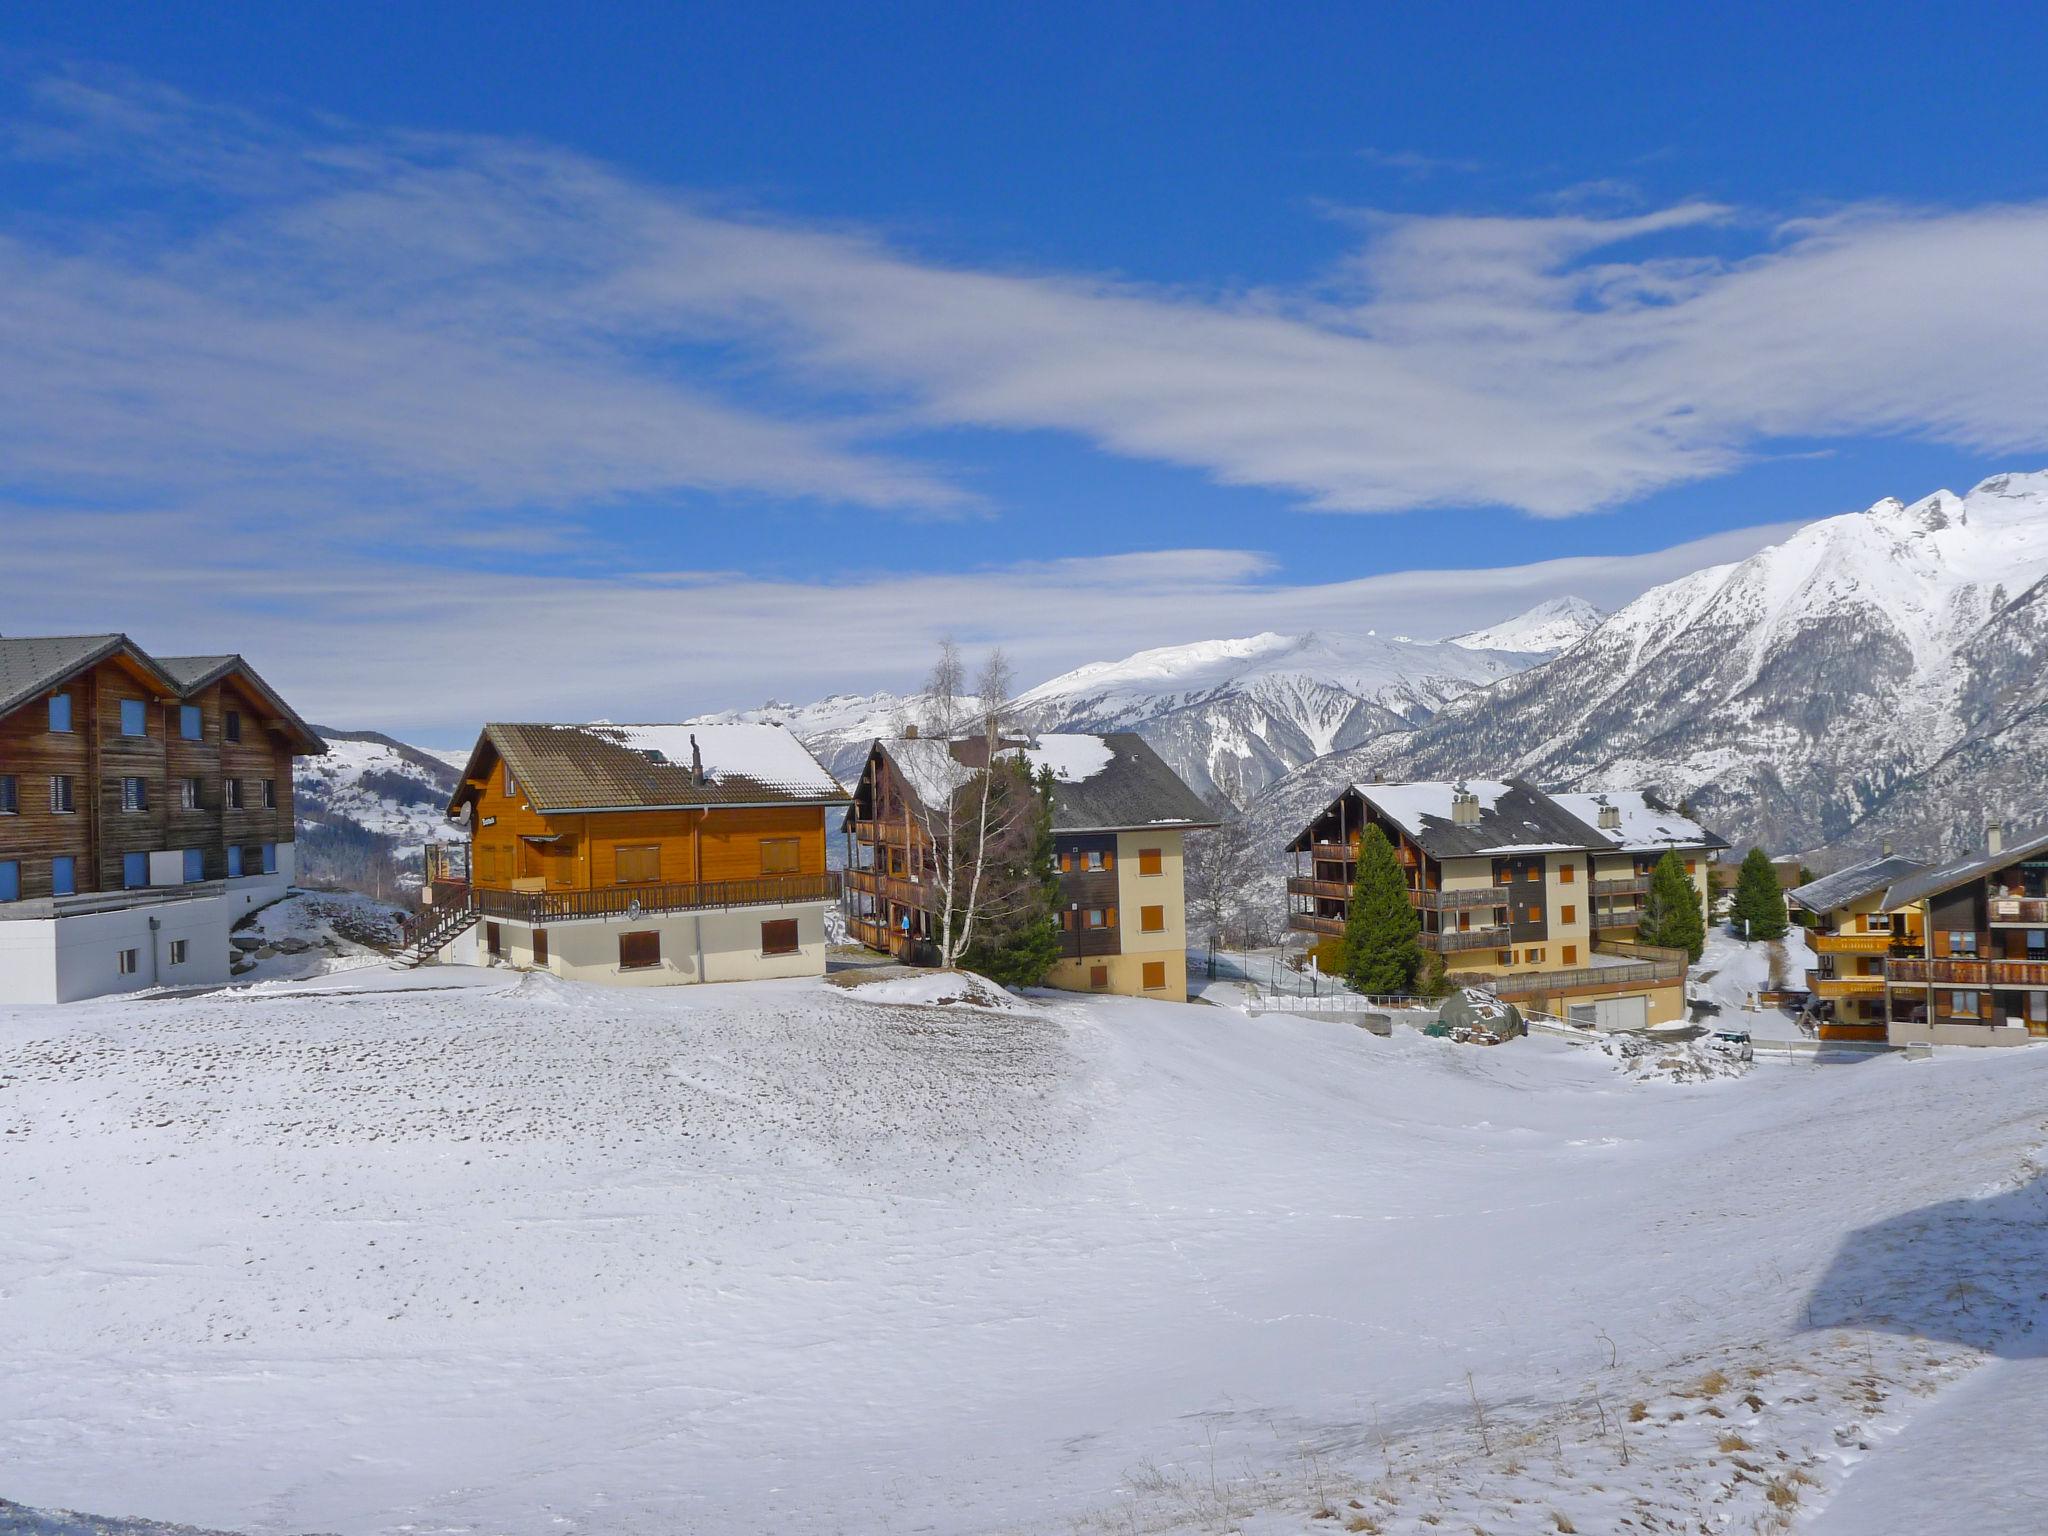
column 1223, row 870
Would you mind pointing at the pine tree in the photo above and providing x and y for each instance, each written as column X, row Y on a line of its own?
column 1759, row 909
column 1671, row 912
column 1024, row 945
column 1381, row 953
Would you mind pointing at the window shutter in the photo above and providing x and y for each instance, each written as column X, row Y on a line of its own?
column 1155, row 975
column 779, row 937
column 1110, row 920
column 638, row 951
column 1150, row 861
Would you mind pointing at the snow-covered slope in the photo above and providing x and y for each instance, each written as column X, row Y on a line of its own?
column 1233, row 715
column 1791, row 696
column 368, row 796
column 1546, row 629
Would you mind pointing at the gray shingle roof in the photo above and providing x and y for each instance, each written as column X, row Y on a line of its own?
column 1853, row 883
column 561, row 768
column 1943, row 877
column 1514, row 816
column 1134, row 790
column 35, row 664
column 191, row 673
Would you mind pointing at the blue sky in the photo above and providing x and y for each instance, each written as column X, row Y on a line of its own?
column 739, row 350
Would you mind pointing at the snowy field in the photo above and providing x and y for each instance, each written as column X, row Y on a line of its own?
column 461, row 1252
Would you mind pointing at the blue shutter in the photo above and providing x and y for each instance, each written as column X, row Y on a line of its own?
column 234, row 862
column 10, row 879
column 134, row 869
column 134, row 718
column 270, row 858
column 188, row 721
column 60, row 711
column 63, row 875
column 195, row 864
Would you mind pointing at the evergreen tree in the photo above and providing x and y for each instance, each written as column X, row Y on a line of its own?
column 1381, row 952
column 1759, row 908
column 1020, row 948
column 1671, row 912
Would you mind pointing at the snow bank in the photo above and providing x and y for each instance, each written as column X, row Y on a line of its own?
column 938, row 989
column 1651, row 1058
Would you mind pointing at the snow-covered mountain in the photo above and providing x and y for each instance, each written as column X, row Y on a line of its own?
column 371, row 797
column 1879, row 672
column 1233, row 715
column 838, row 729
column 1546, row 629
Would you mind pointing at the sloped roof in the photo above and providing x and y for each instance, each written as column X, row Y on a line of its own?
column 1648, row 825
column 606, row 767
column 192, row 673
column 1944, row 877
column 1110, row 782
column 34, row 664
column 1853, row 883
column 1514, row 817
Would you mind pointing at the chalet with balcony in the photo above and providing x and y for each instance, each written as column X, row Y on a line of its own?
column 145, row 806
column 1502, row 876
column 1120, row 817
column 1981, row 974
column 636, row 855
column 1641, row 829
column 1854, row 935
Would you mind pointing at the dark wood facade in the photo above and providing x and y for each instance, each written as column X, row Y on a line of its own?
column 128, row 790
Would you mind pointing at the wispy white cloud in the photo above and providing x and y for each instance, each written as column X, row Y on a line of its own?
column 356, row 640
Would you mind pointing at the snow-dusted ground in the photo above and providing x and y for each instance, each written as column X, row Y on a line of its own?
column 1732, row 971
column 459, row 1251
column 315, row 933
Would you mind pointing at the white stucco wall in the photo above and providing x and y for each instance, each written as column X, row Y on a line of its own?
column 695, row 946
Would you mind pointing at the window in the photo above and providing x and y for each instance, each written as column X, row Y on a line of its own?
column 1692, row 866
column 1535, row 914
column 1566, row 874
column 129, row 962
column 234, row 863
column 60, row 712
column 540, row 946
column 134, row 870
column 231, row 794
column 10, row 796
column 1098, row 978
column 1095, row 860
column 270, row 858
column 134, row 794
column 1503, row 875
column 231, row 725
column 1877, row 922
column 494, row 940
column 134, row 718
column 62, row 801
column 10, row 879
column 511, row 788
column 639, row 951
column 780, row 855
column 637, row 865
column 1155, row 975
column 195, row 864
column 1570, row 954
column 63, row 875
column 188, row 794
column 1066, row 861
column 189, row 726
column 1151, row 861
column 180, row 948
column 779, row 937
column 1152, row 919
column 1963, row 1005
column 1532, row 956
column 1533, row 872
column 1962, row 943
column 1100, row 917
column 270, row 794
column 1567, row 914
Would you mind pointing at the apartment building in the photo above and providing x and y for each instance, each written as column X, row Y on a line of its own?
column 1640, row 829
column 145, row 807
column 637, row 855
column 1503, row 878
column 1120, row 818
column 1980, row 976
column 1854, row 935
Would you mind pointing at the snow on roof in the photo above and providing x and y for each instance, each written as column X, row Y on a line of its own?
column 1407, row 804
column 1071, row 758
column 1646, row 823
column 1852, row 884
column 928, row 767
column 767, row 754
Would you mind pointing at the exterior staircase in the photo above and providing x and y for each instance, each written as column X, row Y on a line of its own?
column 449, row 923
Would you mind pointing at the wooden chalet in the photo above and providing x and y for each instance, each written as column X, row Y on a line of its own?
column 1853, row 937
column 637, row 854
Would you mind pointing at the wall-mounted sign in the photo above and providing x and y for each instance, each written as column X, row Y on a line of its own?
column 490, row 821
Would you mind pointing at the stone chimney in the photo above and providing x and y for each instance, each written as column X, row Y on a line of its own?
column 696, row 761
column 1610, row 817
column 1464, row 807
column 1994, row 838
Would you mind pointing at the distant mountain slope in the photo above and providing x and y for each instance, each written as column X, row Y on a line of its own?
column 1548, row 628
column 369, row 799
column 839, row 729
column 1233, row 715
column 1791, row 697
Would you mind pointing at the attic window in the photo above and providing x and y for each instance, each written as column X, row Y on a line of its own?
column 511, row 788
column 653, row 755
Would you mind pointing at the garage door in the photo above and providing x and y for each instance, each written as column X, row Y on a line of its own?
column 1622, row 1012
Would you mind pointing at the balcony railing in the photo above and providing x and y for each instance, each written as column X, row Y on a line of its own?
column 893, row 833
column 1844, row 986
column 540, row 907
column 2024, row 911
column 1623, row 885
column 1308, row 922
column 1456, row 940
column 1967, row 973
column 1615, row 917
column 1546, row 983
column 1428, row 901
column 1852, row 943
column 43, row 908
column 872, row 882
column 1326, row 890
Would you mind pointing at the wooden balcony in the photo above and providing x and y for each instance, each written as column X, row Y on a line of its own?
column 1308, row 922
column 1326, row 890
column 1845, row 988
column 1614, row 917
column 1343, row 853
column 630, row 901
column 2019, row 911
column 1457, row 940
column 893, row 834
column 1623, row 885
column 1588, row 977
column 2019, row 973
column 1428, row 901
column 872, row 882
column 1851, row 943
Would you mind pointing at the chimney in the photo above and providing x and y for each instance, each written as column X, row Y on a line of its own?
column 1887, row 847
column 910, row 732
column 1464, row 807
column 696, row 761
column 1994, row 838
column 1610, row 816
